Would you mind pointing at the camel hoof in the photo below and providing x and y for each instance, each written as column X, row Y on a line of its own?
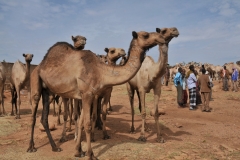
column 1, row 115
column 63, row 139
column 160, row 140
column 31, row 149
column 12, row 114
column 56, row 149
column 106, row 137
column 143, row 139
column 17, row 117
column 80, row 154
column 132, row 131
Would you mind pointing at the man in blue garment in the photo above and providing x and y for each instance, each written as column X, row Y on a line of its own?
column 178, row 84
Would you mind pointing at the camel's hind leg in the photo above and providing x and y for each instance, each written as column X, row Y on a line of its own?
column 14, row 101
column 131, row 99
column 65, row 116
column 94, row 117
column 106, row 100
column 77, row 108
column 143, row 113
column 18, row 103
column 44, row 118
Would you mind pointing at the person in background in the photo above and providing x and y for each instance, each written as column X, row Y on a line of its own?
column 178, row 84
column 198, row 95
column 184, row 86
column 234, row 80
column 203, row 81
column 210, row 80
column 191, row 83
column 225, row 76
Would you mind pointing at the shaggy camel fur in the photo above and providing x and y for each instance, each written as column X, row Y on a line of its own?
column 79, row 74
column 149, row 77
column 113, row 54
column 20, row 75
column 2, row 82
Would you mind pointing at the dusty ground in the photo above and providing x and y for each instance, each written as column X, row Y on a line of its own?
column 189, row 134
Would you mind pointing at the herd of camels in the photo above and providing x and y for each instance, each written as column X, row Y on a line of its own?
column 85, row 79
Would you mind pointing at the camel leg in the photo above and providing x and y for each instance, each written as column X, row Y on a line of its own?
column 18, row 103
column 157, row 94
column 65, row 116
column 71, row 112
column 106, row 99
column 139, row 100
column 87, row 100
column 13, row 101
column 143, row 113
column 35, row 98
column 79, row 152
column 77, row 103
column 94, row 117
column 131, row 99
column 54, row 108
column 99, row 111
column 110, row 106
column 44, row 118
column 59, row 104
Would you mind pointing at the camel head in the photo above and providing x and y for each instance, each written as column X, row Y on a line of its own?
column 28, row 57
column 79, row 42
column 146, row 40
column 123, row 60
column 103, row 58
column 113, row 54
column 168, row 33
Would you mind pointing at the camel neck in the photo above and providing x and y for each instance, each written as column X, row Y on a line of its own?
column 117, row 75
column 160, row 66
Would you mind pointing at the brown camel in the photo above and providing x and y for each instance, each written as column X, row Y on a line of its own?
column 113, row 54
column 2, row 82
column 19, row 77
column 149, row 77
column 79, row 74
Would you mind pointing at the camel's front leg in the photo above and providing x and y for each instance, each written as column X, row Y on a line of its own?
column 106, row 100
column 65, row 116
column 87, row 100
column 18, row 103
column 94, row 117
column 143, row 113
column 156, row 114
column 131, row 99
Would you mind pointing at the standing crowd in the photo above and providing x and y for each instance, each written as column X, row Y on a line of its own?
column 200, row 89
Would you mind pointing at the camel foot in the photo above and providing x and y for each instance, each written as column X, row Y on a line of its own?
column 160, row 140
column 106, row 137
column 31, row 149
column 63, row 139
column 142, row 138
column 56, row 149
column 12, row 114
column 1, row 115
column 80, row 154
column 132, row 131
column 17, row 117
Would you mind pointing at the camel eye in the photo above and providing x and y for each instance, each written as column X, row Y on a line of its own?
column 112, row 51
column 146, row 36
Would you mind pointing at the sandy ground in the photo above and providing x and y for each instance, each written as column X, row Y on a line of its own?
column 188, row 134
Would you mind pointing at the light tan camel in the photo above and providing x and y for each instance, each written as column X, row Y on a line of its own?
column 147, row 78
column 113, row 54
column 20, row 75
column 79, row 74
column 2, row 82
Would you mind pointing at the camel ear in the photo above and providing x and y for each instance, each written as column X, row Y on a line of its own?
column 158, row 30
column 32, row 55
column 106, row 50
column 73, row 38
column 24, row 55
column 134, row 34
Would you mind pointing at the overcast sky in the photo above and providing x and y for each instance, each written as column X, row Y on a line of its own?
column 209, row 29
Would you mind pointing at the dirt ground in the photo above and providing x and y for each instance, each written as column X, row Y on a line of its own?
column 188, row 134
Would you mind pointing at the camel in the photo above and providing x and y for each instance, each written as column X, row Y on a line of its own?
column 79, row 74
column 2, row 82
column 113, row 54
column 147, row 78
column 20, row 75
column 79, row 42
